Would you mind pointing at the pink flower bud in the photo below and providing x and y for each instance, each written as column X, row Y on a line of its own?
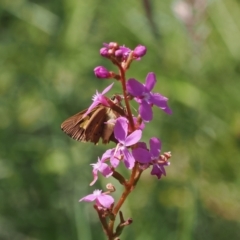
column 104, row 52
column 113, row 45
column 101, row 72
column 118, row 53
column 139, row 51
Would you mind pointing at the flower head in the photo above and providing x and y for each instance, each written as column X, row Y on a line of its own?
column 142, row 155
column 158, row 166
column 143, row 95
column 101, row 199
column 101, row 167
column 99, row 98
column 121, row 150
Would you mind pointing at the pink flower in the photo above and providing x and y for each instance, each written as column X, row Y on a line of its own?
column 120, row 133
column 101, row 167
column 99, row 98
column 101, row 199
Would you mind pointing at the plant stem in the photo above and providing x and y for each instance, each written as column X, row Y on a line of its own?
column 123, row 81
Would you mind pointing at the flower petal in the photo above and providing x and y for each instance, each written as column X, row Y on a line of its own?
column 150, row 81
column 134, row 87
column 155, row 147
column 129, row 160
column 95, row 178
column 105, row 200
column 107, row 89
column 133, row 138
column 156, row 171
column 141, row 155
column 95, row 172
column 160, row 101
column 107, row 154
column 105, row 170
column 89, row 198
column 93, row 105
column 145, row 111
column 114, row 161
column 142, row 145
column 162, row 169
column 120, row 129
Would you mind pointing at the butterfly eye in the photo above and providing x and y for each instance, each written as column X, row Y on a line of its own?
column 117, row 98
column 113, row 98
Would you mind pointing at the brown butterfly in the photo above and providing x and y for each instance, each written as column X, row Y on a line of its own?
column 94, row 125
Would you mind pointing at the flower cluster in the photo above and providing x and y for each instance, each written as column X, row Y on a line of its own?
column 125, row 130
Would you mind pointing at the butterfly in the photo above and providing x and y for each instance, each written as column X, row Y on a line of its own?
column 98, row 123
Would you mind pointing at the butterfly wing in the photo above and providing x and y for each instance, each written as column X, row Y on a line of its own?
column 88, row 128
column 107, row 133
column 95, row 126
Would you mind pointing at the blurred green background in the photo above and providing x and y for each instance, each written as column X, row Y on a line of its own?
column 48, row 50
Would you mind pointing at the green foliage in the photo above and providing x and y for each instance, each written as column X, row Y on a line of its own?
column 48, row 51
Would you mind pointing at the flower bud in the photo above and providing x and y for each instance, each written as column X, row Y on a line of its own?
column 110, row 187
column 139, row 51
column 113, row 45
column 101, row 72
column 118, row 53
column 125, row 51
column 104, row 52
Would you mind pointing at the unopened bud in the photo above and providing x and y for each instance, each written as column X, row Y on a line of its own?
column 118, row 53
column 113, row 45
column 139, row 51
column 104, row 52
column 101, row 72
column 110, row 187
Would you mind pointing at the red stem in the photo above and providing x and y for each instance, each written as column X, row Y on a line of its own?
column 123, row 81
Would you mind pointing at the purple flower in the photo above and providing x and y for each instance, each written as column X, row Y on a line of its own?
column 120, row 133
column 99, row 98
column 101, row 199
column 143, row 95
column 158, row 166
column 142, row 155
column 139, row 51
column 159, row 170
column 101, row 72
column 101, row 167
